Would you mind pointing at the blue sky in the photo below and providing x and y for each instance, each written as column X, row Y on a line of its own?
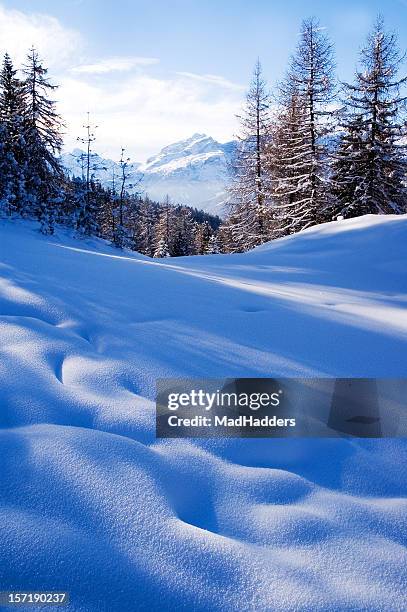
column 154, row 72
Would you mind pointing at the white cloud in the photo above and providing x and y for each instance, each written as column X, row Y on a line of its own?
column 114, row 64
column 212, row 79
column 19, row 31
column 144, row 113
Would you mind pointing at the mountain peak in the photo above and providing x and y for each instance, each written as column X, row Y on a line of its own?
column 193, row 144
column 198, row 136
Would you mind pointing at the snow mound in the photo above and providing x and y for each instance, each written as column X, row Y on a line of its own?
column 92, row 503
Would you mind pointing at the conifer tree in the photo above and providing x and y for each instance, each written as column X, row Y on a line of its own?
column 13, row 158
column 288, row 165
column 370, row 167
column 346, row 167
column 202, row 237
column 249, row 195
column 225, row 239
column 163, row 230
column 162, row 249
column 182, row 234
column 302, row 191
column 43, row 141
column 146, row 227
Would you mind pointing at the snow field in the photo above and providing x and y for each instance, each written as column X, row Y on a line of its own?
column 92, row 503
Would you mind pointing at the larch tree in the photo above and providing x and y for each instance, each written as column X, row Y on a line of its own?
column 288, row 165
column 249, row 201
column 306, row 98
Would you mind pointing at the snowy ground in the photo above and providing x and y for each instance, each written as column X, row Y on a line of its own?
column 91, row 503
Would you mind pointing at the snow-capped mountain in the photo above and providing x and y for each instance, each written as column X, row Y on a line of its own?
column 195, row 172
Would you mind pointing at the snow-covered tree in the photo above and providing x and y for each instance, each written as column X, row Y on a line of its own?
column 43, row 141
column 12, row 145
column 163, row 235
column 346, row 167
column 301, row 191
column 249, row 195
column 213, row 246
column 288, row 165
column 370, row 167
column 147, row 220
column 162, row 249
column 202, row 237
column 182, row 232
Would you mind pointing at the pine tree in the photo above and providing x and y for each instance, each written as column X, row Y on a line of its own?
column 42, row 127
column 182, row 234
column 132, row 217
column 75, row 199
column 6, row 205
column 146, row 227
column 370, row 167
column 13, row 158
column 163, row 232
column 162, row 249
column 302, row 191
column 249, row 201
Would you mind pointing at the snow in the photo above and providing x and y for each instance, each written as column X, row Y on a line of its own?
column 92, row 503
column 196, row 145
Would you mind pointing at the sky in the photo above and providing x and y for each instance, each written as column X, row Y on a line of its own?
column 154, row 72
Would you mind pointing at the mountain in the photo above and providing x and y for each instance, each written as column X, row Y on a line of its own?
column 194, row 171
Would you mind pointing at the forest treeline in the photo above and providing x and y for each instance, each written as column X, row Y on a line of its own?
column 314, row 151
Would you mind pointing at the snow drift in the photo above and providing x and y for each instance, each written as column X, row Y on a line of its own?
column 93, row 504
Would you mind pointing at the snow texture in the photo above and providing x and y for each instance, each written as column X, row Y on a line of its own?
column 92, row 503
